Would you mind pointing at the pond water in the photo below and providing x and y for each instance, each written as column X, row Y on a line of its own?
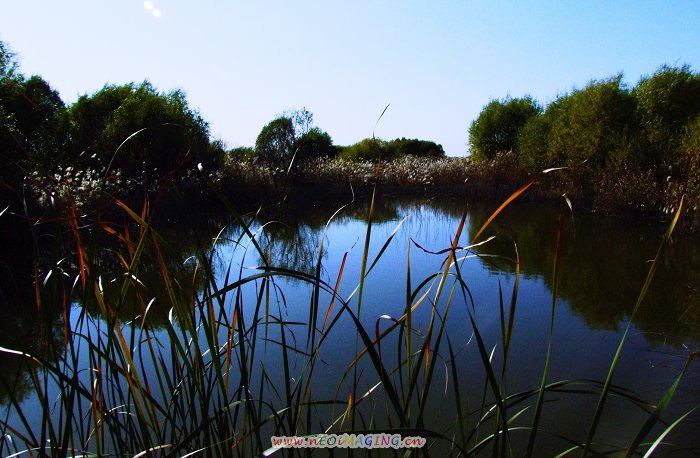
column 603, row 265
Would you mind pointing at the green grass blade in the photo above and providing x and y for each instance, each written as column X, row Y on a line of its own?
column 666, row 431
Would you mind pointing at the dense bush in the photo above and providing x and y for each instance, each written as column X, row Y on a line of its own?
column 242, row 153
column 368, row 149
column 275, row 143
column 605, row 124
column 414, row 147
column 33, row 136
column 628, row 149
column 290, row 136
column 497, row 128
column 314, row 144
column 145, row 134
column 372, row 149
column 33, row 130
column 688, row 181
column 592, row 124
column 667, row 101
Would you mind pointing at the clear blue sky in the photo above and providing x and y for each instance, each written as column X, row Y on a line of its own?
column 437, row 63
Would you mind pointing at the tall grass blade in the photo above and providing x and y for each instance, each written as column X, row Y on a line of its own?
column 666, row 431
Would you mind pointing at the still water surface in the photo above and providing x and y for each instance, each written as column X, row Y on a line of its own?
column 604, row 261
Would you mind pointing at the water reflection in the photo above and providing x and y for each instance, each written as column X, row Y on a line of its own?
column 24, row 325
column 604, row 262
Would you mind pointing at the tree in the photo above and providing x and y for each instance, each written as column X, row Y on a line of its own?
column 38, row 114
column 33, row 130
column 314, row 144
column 8, row 64
column 414, row 147
column 533, row 141
column 368, row 149
column 144, row 133
column 275, row 143
column 498, row 126
column 242, row 153
column 291, row 135
column 666, row 102
column 593, row 124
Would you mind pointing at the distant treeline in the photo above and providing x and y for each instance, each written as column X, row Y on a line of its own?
column 131, row 139
column 627, row 148
column 646, row 137
column 291, row 136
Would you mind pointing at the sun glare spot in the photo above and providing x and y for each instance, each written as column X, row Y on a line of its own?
column 148, row 5
column 156, row 13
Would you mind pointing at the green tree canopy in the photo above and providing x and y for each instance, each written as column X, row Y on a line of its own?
column 144, row 133
column 275, row 143
column 533, row 141
column 291, row 135
column 414, row 147
column 368, row 149
column 314, row 144
column 8, row 64
column 498, row 126
column 371, row 149
column 667, row 101
column 592, row 124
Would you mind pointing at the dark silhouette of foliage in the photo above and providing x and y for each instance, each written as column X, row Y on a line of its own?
column 242, row 153
column 275, row 143
column 8, row 63
column 314, row 144
column 36, row 113
column 368, row 149
column 414, row 147
column 291, row 135
column 33, row 134
column 145, row 134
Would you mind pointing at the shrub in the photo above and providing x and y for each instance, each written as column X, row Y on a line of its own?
column 314, row 144
column 592, row 124
column 667, row 101
column 414, row 147
column 146, row 134
column 498, row 126
column 275, row 143
column 369, row 149
column 242, row 153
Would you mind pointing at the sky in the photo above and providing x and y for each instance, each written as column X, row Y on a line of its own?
column 435, row 63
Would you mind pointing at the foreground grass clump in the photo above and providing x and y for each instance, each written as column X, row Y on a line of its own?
column 163, row 357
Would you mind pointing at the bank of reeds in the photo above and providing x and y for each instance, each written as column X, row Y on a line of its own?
column 621, row 190
column 615, row 190
column 228, row 369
